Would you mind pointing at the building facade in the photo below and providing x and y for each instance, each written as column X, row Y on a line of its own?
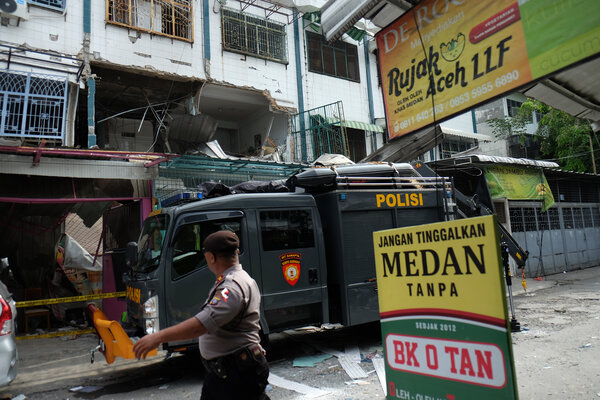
column 166, row 75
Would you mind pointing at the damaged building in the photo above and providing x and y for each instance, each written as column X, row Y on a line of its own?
column 102, row 101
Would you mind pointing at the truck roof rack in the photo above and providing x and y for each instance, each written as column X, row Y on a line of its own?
column 365, row 176
column 392, row 182
column 181, row 197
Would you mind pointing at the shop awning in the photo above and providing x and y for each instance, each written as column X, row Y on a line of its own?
column 363, row 126
column 467, row 135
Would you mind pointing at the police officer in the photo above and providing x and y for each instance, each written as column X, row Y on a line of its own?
column 227, row 326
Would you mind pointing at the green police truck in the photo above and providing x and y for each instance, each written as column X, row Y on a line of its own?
column 310, row 249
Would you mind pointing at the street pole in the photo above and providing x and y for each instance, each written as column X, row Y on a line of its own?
column 592, row 151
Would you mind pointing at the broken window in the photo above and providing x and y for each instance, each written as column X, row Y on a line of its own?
column 252, row 35
column 33, row 105
column 56, row 4
column 339, row 59
column 172, row 18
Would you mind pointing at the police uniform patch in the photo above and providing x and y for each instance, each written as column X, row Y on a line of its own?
column 215, row 300
column 225, row 294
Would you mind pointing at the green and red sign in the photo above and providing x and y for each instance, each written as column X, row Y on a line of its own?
column 443, row 312
column 445, row 56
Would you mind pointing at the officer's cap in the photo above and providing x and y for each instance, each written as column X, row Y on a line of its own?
column 221, row 242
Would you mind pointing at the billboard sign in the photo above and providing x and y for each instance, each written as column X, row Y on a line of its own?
column 445, row 56
column 443, row 312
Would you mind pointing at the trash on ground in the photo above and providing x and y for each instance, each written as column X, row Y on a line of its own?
column 309, row 391
column 353, row 370
column 357, row 382
column 310, row 361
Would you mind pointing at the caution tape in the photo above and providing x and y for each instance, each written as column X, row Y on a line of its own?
column 56, row 334
column 58, row 300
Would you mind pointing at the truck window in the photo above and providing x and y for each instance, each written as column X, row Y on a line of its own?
column 187, row 244
column 286, row 229
column 150, row 243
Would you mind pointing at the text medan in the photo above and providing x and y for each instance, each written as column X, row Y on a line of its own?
column 448, row 261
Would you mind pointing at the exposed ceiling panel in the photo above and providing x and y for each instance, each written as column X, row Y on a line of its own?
column 339, row 16
column 575, row 90
column 230, row 103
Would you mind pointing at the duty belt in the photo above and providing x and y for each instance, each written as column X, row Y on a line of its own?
column 220, row 365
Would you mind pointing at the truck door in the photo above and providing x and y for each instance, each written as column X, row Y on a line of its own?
column 293, row 274
column 187, row 277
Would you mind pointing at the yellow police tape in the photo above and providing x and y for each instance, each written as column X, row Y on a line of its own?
column 32, row 303
column 43, row 302
column 56, row 334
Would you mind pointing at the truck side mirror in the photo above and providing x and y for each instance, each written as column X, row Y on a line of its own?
column 131, row 254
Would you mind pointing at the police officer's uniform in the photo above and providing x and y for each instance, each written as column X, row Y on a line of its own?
column 231, row 351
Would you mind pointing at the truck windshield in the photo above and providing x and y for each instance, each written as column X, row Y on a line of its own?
column 150, row 243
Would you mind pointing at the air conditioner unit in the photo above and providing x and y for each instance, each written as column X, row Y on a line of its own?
column 14, row 9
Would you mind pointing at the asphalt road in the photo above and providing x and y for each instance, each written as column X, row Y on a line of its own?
column 556, row 356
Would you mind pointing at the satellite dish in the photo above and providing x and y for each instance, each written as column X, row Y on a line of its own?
column 8, row 6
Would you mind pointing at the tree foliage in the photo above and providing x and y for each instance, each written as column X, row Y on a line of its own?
column 563, row 138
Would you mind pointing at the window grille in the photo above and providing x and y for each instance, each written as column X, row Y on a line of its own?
column 577, row 218
column 568, row 218
column 252, row 35
column 529, row 217
column 554, row 218
column 55, row 4
column 542, row 219
column 172, row 18
column 587, row 217
column 516, row 219
column 33, row 105
column 339, row 59
column 596, row 216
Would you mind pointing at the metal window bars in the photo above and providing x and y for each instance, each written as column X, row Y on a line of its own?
column 317, row 131
column 33, row 105
column 171, row 18
column 53, row 4
column 252, row 35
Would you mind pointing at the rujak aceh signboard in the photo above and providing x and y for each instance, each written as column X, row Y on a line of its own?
column 445, row 56
column 443, row 312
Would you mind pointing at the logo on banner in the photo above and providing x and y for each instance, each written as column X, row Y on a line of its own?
column 290, row 263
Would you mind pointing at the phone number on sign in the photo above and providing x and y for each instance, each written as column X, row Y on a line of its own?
column 422, row 116
column 483, row 89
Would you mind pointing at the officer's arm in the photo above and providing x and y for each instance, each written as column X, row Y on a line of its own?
column 189, row 329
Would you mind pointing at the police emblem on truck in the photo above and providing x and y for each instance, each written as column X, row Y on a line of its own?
column 290, row 263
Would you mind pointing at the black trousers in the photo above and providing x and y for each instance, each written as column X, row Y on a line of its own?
column 241, row 375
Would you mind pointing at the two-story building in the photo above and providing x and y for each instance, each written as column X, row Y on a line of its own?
column 95, row 95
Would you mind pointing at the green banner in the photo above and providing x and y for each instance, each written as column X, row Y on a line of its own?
column 519, row 184
column 559, row 33
column 442, row 305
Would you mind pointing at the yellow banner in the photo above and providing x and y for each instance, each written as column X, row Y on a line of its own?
column 443, row 57
column 449, row 268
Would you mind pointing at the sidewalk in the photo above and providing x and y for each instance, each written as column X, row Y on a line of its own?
column 549, row 281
